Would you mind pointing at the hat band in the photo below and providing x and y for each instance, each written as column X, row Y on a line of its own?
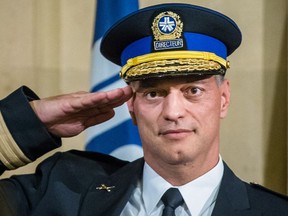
column 175, row 67
column 179, row 57
column 194, row 42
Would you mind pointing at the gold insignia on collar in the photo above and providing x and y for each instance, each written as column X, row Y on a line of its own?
column 167, row 26
column 104, row 187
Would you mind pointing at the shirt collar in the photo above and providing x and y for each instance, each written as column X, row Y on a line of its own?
column 198, row 194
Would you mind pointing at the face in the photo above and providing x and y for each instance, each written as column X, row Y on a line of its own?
column 179, row 119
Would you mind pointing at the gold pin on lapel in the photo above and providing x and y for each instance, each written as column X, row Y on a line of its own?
column 104, row 187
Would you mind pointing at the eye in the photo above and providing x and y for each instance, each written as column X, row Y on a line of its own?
column 153, row 94
column 193, row 91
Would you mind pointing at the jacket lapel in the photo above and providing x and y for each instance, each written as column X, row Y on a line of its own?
column 109, row 194
column 232, row 197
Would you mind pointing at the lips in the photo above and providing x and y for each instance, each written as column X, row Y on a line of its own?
column 164, row 132
column 176, row 133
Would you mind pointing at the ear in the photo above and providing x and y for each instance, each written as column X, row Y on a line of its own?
column 131, row 110
column 225, row 98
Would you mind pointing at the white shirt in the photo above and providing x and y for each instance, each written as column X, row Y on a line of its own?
column 199, row 195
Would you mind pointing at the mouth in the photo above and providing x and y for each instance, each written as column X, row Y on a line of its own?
column 176, row 133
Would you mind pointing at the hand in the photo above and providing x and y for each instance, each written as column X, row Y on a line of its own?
column 70, row 114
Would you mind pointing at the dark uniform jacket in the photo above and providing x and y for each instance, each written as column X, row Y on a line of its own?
column 90, row 184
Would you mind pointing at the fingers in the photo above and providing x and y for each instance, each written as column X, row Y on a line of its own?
column 99, row 118
column 68, row 115
column 100, row 100
column 116, row 96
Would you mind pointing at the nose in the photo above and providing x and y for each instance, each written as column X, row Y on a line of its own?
column 173, row 106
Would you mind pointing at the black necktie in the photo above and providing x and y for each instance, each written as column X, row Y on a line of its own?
column 171, row 199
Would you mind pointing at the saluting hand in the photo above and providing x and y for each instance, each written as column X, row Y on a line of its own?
column 68, row 115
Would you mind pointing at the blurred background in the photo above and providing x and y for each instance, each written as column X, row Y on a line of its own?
column 46, row 45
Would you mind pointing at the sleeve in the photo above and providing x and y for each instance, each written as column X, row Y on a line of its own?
column 23, row 137
column 19, row 195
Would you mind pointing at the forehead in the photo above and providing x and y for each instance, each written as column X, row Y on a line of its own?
column 169, row 80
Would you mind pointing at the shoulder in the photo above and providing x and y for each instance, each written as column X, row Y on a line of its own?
column 75, row 159
column 267, row 198
column 77, row 167
column 253, row 189
column 258, row 189
column 255, row 197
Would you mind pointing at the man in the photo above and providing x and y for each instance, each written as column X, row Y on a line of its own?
column 173, row 57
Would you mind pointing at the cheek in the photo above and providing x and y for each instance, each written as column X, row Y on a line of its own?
column 145, row 111
column 147, row 120
column 147, row 129
column 209, row 113
column 144, row 116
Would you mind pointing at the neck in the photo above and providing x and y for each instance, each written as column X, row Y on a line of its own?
column 183, row 173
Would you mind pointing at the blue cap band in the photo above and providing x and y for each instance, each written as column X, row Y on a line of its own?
column 194, row 42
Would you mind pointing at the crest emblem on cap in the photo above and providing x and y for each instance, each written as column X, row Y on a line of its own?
column 167, row 30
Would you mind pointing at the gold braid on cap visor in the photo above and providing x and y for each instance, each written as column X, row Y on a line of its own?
column 172, row 61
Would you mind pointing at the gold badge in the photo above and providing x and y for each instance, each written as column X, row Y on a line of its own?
column 104, row 187
column 167, row 30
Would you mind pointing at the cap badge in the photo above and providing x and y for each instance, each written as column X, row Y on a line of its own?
column 167, row 31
